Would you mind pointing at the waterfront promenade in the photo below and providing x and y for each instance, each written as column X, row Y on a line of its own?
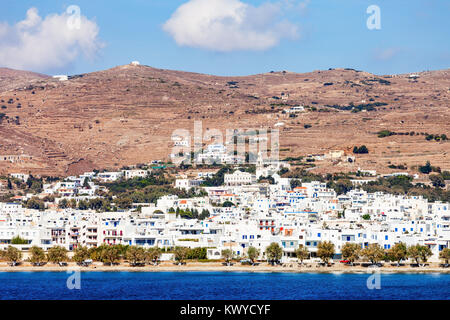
column 218, row 266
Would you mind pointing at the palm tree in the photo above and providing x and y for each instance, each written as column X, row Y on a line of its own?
column 445, row 255
column 302, row 253
column 351, row 251
column 57, row 254
column 228, row 255
column 253, row 254
column 374, row 253
column 37, row 255
column 274, row 253
column 398, row 252
column 135, row 255
column 153, row 255
column 13, row 255
column 325, row 251
column 81, row 254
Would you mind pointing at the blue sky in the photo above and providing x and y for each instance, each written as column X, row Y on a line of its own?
column 307, row 36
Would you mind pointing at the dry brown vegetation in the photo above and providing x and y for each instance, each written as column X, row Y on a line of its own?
column 126, row 115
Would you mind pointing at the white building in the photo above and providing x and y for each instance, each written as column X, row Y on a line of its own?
column 238, row 178
column 135, row 173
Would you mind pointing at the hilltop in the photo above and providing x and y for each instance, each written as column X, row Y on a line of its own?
column 12, row 79
column 126, row 115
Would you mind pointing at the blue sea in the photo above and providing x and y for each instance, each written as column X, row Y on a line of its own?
column 219, row 286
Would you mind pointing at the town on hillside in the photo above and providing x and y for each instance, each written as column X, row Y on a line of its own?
column 270, row 211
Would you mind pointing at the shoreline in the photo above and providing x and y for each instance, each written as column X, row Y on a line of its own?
column 217, row 267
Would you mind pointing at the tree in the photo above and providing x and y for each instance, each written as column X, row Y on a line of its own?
column 437, row 181
column 342, row 186
column 325, row 251
column 86, row 184
column 35, row 203
column 425, row 253
column 227, row 204
column 253, row 254
column 57, row 254
column 361, row 150
column 80, row 254
column 197, row 253
column 18, row 240
column 413, row 253
column 228, row 255
column 135, row 255
column 426, row 169
column 110, row 255
column 29, row 181
column 181, row 254
column 419, row 253
column 13, row 254
column 153, row 255
column 302, row 253
column 398, row 252
column 95, row 253
column 63, row 204
column 124, row 203
column 205, row 214
column 445, row 255
column 37, row 255
column 351, row 251
column 374, row 253
column 295, row 183
column 274, row 253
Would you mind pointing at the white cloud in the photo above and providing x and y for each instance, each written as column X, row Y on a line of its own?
column 228, row 25
column 46, row 44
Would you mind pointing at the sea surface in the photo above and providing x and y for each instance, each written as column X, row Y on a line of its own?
column 220, row 286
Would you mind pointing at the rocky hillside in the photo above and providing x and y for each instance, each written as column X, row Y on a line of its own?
column 126, row 115
column 12, row 79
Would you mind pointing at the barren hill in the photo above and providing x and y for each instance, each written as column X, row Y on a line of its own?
column 12, row 79
column 126, row 115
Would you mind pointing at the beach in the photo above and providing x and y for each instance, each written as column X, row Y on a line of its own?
column 218, row 267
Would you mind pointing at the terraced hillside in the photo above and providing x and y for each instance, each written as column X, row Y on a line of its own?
column 126, row 115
